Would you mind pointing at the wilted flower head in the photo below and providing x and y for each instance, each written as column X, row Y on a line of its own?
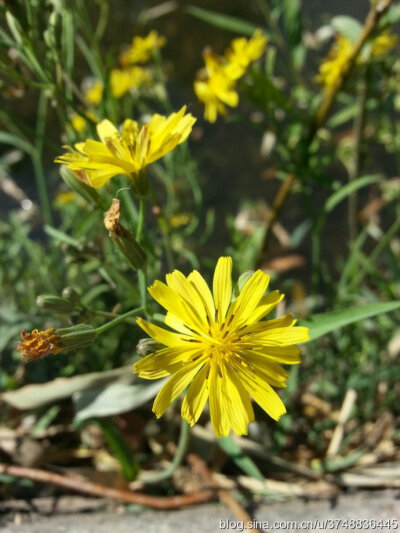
column 220, row 348
column 142, row 49
column 37, row 344
column 128, row 152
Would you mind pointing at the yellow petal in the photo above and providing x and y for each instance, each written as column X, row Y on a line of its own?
column 163, row 336
column 174, row 386
column 281, row 336
column 222, row 286
column 239, row 409
column 196, row 397
column 261, row 391
column 269, row 371
column 171, row 300
column 249, row 297
column 106, row 130
column 218, row 408
column 179, row 283
column 288, row 355
column 266, row 305
column 200, row 285
column 168, row 360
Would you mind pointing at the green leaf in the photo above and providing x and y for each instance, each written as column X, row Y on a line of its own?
column 226, row 22
column 14, row 140
column 119, row 448
column 347, row 26
column 345, row 191
column 292, row 21
column 234, row 451
column 324, row 323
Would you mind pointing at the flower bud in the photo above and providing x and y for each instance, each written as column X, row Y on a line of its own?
column 54, row 304
column 147, row 346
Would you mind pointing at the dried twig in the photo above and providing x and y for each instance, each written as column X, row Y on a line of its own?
column 79, row 484
column 202, row 469
column 344, row 414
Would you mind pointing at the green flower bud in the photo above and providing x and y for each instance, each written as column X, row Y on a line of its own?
column 54, row 304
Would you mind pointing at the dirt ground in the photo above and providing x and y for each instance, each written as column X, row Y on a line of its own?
column 377, row 511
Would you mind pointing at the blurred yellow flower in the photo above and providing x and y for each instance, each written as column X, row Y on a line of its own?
column 243, row 51
column 180, row 219
column 122, row 81
column 333, row 67
column 215, row 84
column 383, row 44
column 128, row 152
column 94, row 93
column 64, row 198
column 221, row 348
column 78, row 123
column 142, row 49
column 215, row 88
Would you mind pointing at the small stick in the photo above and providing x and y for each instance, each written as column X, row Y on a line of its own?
column 80, row 484
column 344, row 414
column 202, row 469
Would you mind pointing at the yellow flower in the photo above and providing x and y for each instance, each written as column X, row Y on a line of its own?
column 221, row 348
column 242, row 52
column 383, row 44
column 78, row 123
column 94, row 93
column 128, row 152
column 215, row 88
column 123, row 81
column 333, row 67
column 142, row 48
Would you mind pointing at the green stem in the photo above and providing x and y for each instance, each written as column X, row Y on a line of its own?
column 37, row 160
column 140, row 222
column 117, row 320
column 178, row 457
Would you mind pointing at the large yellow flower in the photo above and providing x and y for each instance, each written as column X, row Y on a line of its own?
column 221, row 348
column 142, row 48
column 215, row 88
column 128, row 152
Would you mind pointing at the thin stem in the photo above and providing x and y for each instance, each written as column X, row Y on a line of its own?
column 37, row 160
column 117, row 320
column 140, row 222
column 359, row 122
column 178, row 457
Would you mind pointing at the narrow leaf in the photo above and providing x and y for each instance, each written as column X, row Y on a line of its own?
column 324, row 323
column 227, row 22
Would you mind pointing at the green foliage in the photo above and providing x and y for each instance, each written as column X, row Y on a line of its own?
column 340, row 231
